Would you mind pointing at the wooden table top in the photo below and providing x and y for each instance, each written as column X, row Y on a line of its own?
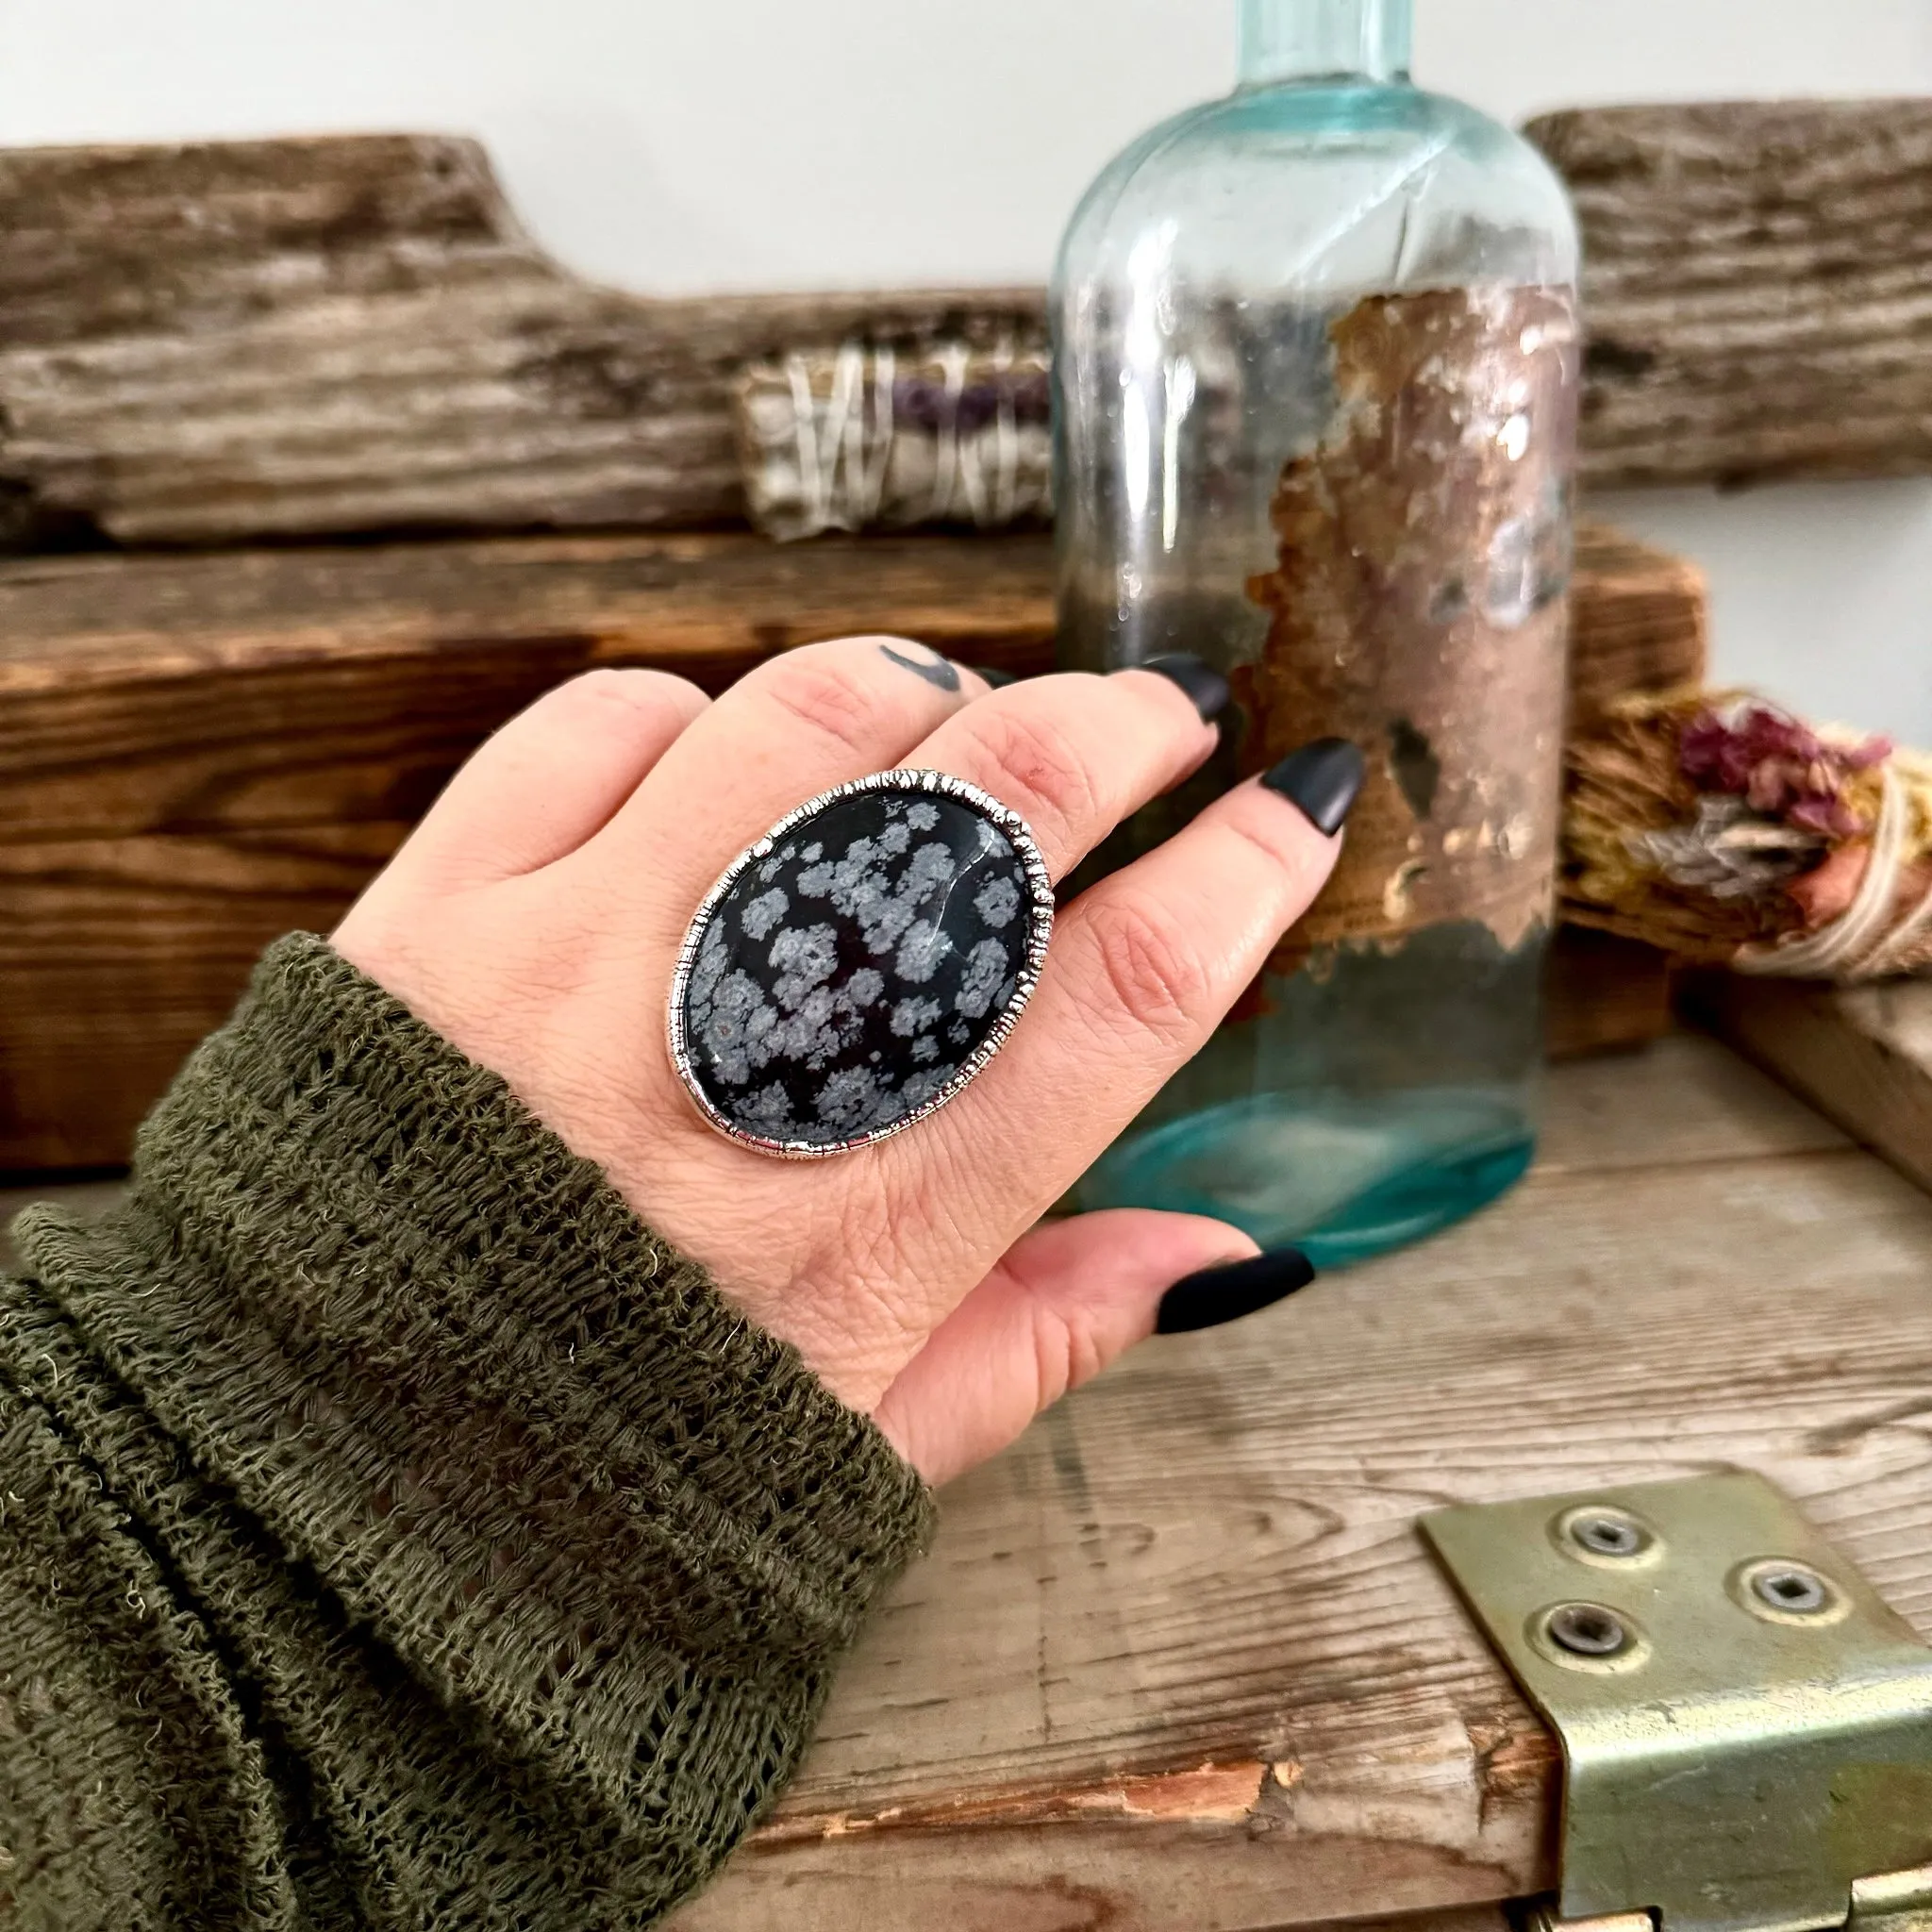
column 1180, row 1661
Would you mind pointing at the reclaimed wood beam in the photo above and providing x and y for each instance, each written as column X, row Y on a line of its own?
column 225, row 341
column 200, row 751
column 1757, row 288
column 1861, row 1055
column 211, row 343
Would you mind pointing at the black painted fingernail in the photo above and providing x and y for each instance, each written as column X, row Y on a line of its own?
column 1203, row 685
column 998, row 679
column 1323, row 779
column 1220, row 1296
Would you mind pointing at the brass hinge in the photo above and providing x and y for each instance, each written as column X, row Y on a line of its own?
column 1899, row 1902
column 1746, row 1726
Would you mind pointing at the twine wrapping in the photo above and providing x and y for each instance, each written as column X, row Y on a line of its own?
column 1869, row 943
column 860, row 438
column 1721, row 829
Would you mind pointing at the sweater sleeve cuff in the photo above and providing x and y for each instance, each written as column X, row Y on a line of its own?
column 522, row 1438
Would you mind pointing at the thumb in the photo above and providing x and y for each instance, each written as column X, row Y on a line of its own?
column 1069, row 1299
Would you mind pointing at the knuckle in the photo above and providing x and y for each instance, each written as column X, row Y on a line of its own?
column 617, row 697
column 607, row 685
column 826, row 695
column 1294, row 858
column 1067, row 1353
column 1156, row 973
column 1038, row 769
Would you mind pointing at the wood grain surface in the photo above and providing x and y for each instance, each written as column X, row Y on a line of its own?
column 1181, row 1663
column 220, row 341
column 1757, row 286
column 1603, row 994
column 209, row 342
column 199, row 752
column 1861, row 1055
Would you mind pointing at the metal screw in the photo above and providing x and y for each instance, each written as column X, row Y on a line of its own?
column 1796, row 1591
column 1588, row 1630
column 1610, row 1535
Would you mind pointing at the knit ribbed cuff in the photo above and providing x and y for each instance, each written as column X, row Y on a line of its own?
column 520, row 1436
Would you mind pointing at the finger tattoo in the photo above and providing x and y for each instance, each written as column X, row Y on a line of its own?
column 940, row 671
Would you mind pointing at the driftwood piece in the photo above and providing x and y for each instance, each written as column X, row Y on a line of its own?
column 198, row 752
column 1757, row 286
column 234, row 340
column 296, row 337
column 1862, row 1055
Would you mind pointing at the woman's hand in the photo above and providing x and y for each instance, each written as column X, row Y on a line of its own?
column 534, row 920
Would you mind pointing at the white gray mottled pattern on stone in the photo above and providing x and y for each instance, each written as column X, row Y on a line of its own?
column 846, row 979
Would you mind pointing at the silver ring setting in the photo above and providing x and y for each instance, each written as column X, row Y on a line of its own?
column 858, row 966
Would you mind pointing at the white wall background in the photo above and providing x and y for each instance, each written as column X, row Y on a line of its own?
column 812, row 142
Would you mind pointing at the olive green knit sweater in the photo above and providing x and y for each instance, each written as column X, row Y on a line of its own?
column 394, row 1532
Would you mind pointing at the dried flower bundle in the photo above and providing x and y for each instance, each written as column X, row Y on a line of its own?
column 1723, row 829
column 859, row 438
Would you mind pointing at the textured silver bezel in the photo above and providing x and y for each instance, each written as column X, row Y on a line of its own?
column 1039, row 911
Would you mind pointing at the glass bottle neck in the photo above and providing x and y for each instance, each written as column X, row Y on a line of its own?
column 1311, row 39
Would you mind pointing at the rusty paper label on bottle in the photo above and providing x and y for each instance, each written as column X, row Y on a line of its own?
column 1419, row 609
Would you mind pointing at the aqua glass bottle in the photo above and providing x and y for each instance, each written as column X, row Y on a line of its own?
column 1316, row 364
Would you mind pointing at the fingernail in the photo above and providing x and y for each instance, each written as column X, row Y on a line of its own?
column 1205, row 686
column 1323, row 779
column 1219, row 1295
column 998, row 679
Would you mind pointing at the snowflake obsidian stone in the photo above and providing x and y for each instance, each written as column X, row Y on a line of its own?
column 859, row 965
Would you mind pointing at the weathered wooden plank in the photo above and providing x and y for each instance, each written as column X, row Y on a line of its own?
column 1757, row 287
column 198, row 752
column 215, row 341
column 1455, row 1919
column 223, row 340
column 118, row 955
column 205, row 692
column 1602, row 993
column 1640, row 620
column 1179, row 1662
column 1689, row 1099
column 1861, row 1055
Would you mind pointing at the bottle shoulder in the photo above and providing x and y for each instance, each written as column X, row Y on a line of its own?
column 1303, row 125
column 1263, row 155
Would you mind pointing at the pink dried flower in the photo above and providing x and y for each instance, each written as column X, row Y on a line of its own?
column 1829, row 816
column 1778, row 766
column 1719, row 754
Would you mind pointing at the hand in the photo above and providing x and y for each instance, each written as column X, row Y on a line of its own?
column 534, row 919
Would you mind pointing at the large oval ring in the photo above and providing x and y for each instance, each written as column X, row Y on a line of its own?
column 859, row 965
